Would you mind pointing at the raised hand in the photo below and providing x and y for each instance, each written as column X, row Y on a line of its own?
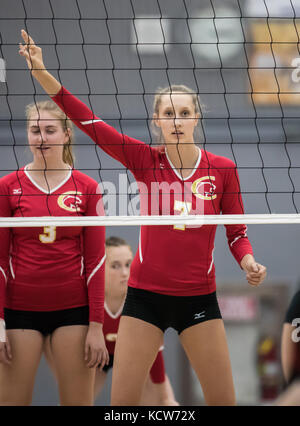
column 31, row 52
column 34, row 58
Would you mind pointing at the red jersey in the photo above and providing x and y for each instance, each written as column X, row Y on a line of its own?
column 110, row 331
column 46, row 269
column 110, row 327
column 175, row 260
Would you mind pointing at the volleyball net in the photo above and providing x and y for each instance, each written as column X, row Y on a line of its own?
column 240, row 57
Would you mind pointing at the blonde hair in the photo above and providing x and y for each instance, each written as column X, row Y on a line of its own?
column 169, row 90
column 115, row 242
column 66, row 123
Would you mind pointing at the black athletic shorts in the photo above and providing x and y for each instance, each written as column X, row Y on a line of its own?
column 45, row 322
column 164, row 311
column 293, row 309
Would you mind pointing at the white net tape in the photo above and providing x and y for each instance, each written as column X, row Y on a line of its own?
column 192, row 220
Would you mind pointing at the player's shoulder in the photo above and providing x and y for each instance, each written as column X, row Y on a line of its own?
column 296, row 299
column 84, row 179
column 217, row 161
column 293, row 310
column 152, row 153
column 12, row 178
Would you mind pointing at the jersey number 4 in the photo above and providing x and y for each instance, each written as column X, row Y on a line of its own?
column 49, row 235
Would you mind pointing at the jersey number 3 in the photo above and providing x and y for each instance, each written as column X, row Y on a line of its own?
column 49, row 235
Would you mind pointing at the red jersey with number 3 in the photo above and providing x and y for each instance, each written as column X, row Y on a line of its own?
column 174, row 260
column 51, row 268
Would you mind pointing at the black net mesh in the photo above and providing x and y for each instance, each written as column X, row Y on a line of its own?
column 240, row 57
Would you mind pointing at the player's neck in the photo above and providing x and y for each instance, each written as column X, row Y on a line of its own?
column 183, row 157
column 50, row 177
column 114, row 302
column 39, row 168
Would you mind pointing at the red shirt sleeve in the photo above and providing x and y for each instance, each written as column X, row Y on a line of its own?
column 94, row 257
column 157, row 372
column 5, row 211
column 232, row 203
column 129, row 151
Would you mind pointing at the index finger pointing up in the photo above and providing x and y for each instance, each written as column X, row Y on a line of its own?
column 26, row 37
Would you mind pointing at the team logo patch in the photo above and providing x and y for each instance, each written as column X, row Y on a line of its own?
column 204, row 188
column 199, row 315
column 70, row 201
column 111, row 337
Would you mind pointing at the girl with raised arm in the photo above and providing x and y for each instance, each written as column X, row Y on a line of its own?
column 172, row 280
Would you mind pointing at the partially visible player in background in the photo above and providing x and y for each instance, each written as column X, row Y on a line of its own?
column 290, row 354
column 51, row 278
column 290, row 340
column 157, row 390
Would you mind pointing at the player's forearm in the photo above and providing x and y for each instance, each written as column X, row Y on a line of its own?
column 97, row 326
column 96, row 305
column 47, row 81
column 2, row 292
column 96, row 297
column 4, row 266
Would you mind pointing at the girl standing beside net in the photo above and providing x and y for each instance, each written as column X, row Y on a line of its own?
column 51, row 278
column 172, row 280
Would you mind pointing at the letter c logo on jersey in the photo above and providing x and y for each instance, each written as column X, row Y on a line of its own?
column 111, row 337
column 70, row 201
column 204, row 188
